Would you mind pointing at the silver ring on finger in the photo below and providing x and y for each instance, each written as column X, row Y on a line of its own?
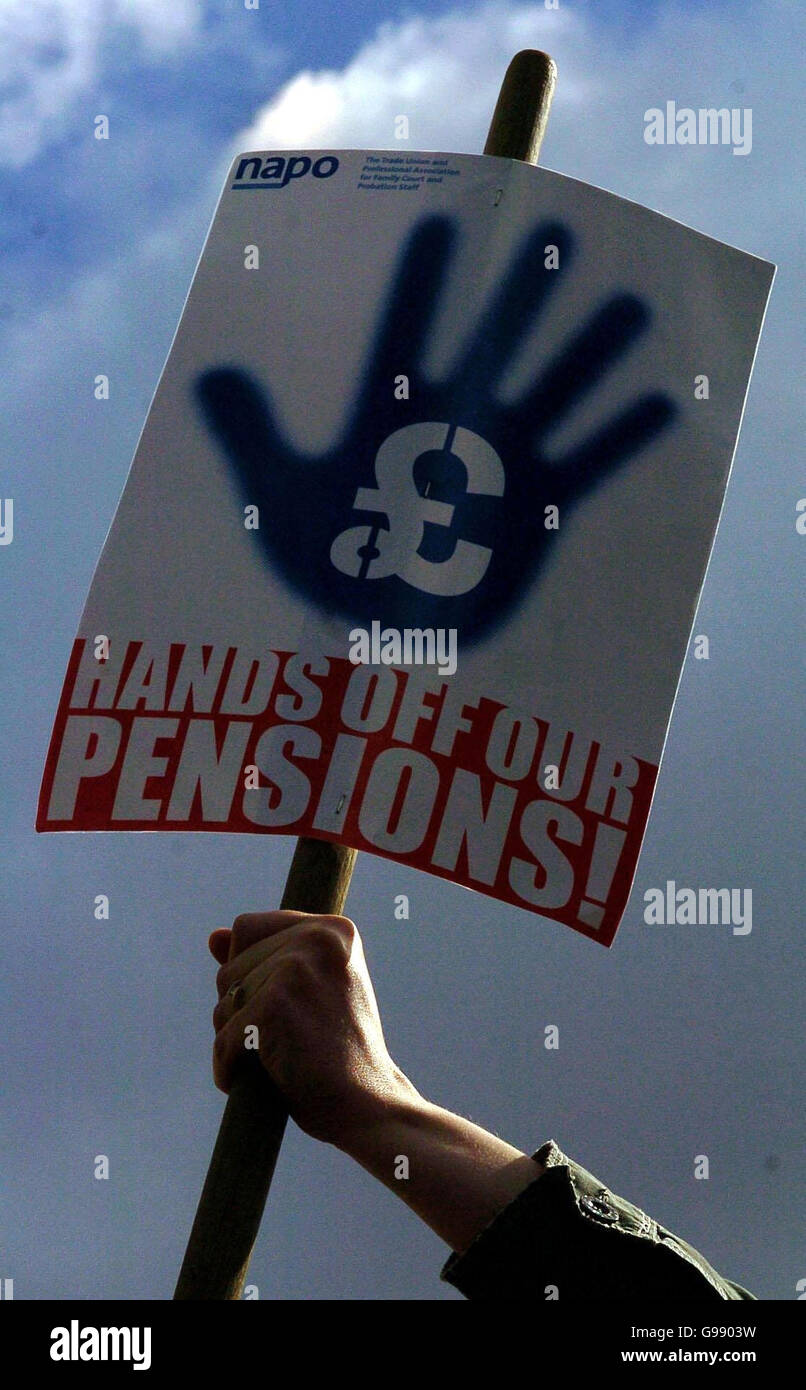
column 237, row 994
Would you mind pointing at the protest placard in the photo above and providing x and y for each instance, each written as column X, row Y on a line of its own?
column 413, row 539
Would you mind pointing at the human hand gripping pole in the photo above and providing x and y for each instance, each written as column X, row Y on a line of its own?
column 252, row 1127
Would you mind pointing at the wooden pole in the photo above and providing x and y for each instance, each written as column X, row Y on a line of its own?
column 252, row 1127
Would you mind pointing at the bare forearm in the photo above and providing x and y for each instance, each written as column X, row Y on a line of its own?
column 452, row 1173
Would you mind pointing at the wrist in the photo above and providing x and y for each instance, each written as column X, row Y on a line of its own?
column 456, row 1176
column 382, row 1119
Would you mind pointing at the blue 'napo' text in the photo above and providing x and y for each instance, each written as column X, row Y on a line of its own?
column 254, row 172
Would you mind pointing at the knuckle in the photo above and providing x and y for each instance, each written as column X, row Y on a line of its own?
column 296, row 973
column 296, row 981
column 327, row 942
column 345, row 927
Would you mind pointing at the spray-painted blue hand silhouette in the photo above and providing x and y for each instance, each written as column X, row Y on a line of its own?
column 430, row 511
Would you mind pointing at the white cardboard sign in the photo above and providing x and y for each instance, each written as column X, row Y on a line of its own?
column 413, row 538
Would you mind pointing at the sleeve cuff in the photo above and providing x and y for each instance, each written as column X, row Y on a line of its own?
column 566, row 1236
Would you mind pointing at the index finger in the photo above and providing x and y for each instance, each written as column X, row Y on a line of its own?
column 251, row 927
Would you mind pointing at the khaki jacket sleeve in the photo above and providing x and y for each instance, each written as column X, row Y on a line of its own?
column 568, row 1237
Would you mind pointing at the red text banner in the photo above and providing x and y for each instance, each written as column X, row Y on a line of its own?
column 398, row 762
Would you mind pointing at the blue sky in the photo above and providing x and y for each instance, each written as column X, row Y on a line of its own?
column 678, row 1041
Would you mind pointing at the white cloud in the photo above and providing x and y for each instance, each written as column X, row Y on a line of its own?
column 51, row 56
column 443, row 73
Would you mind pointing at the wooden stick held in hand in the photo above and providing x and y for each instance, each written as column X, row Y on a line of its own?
column 252, row 1127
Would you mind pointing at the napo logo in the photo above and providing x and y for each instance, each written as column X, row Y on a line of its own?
column 276, row 172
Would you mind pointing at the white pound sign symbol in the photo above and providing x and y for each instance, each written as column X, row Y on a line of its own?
column 395, row 549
